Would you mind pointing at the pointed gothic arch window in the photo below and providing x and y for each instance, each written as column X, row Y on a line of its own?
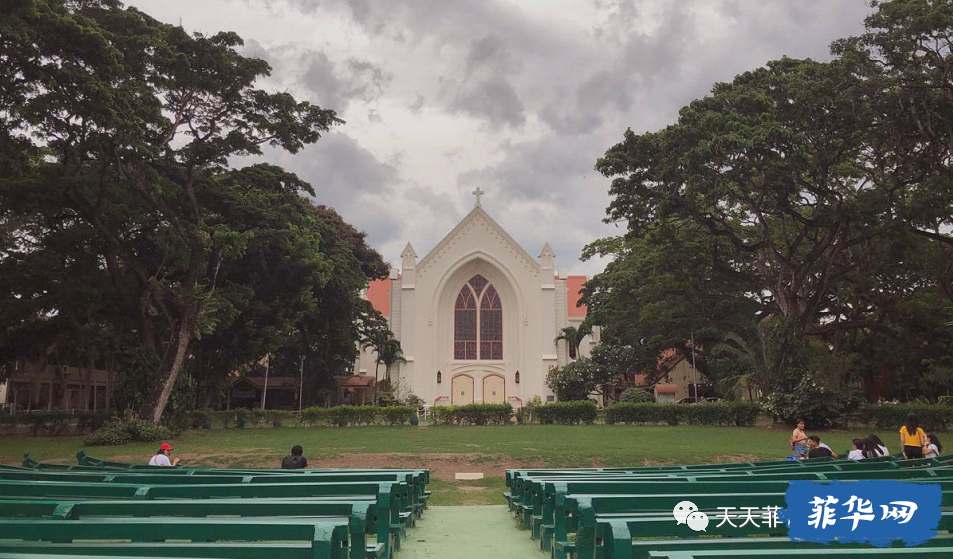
column 478, row 335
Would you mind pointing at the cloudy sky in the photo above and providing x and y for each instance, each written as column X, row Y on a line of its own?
column 517, row 97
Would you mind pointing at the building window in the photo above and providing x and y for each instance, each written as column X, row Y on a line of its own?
column 478, row 335
column 465, row 325
column 517, row 377
column 439, row 377
column 572, row 349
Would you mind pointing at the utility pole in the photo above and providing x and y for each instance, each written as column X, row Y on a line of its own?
column 264, row 391
column 301, row 385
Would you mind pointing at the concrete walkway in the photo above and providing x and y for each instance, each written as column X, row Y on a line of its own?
column 477, row 532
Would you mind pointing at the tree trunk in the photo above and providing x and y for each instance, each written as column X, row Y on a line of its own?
column 155, row 402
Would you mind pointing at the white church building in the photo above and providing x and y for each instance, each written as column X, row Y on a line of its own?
column 477, row 317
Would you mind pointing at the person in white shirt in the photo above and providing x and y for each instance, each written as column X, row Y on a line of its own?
column 161, row 458
column 879, row 445
column 859, row 451
column 933, row 446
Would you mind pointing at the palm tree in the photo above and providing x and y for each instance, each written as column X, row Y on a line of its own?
column 387, row 348
column 390, row 354
column 573, row 337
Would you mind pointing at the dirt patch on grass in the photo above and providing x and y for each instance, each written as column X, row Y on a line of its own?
column 441, row 465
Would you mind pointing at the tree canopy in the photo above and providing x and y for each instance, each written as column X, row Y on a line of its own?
column 820, row 193
column 122, row 219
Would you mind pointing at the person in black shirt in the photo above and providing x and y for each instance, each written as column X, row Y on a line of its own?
column 817, row 449
column 295, row 461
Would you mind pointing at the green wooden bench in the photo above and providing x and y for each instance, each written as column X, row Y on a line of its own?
column 417, row 497
column 840, row 469
column 886, row 553
column 534, row 503
column 388, row 495
column 328, row 539
column 608, row 506
column 641, row 549
column 612, row 537
column 168, row 550
column 85, row 460
column 365, row 516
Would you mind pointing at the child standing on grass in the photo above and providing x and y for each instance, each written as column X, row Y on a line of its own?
column 799, row 440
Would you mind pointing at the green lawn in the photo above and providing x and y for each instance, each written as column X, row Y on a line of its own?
column 447, row 450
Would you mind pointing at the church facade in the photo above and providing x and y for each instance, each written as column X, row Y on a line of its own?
column 477, row 317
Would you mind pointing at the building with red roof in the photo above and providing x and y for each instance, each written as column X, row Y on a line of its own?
column 477, row 317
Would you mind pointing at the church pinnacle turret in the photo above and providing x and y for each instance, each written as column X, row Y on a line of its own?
column 547, row 257
column 409, row 257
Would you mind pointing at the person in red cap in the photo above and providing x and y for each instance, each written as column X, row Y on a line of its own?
column 162, row 457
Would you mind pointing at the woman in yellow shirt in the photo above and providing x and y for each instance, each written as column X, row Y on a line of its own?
column 912, row 438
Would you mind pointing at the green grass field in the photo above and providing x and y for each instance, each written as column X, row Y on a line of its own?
column 448, row 450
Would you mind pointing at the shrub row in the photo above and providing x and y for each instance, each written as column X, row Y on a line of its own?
column 118, row 431
column 472, row 414
column 891, row 416
column 568, row 413
column 56, row 422
column 358, row 415
column 713, row 413
column 239, row 418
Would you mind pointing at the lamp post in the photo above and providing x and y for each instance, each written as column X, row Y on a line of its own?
column 301, row 385
column 264, row 391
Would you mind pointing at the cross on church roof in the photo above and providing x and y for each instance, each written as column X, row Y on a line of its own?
column 478, row 193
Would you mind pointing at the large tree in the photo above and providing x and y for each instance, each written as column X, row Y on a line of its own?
column 125, row 125
column 662, row 287
column 769, row 165
column 824, row 191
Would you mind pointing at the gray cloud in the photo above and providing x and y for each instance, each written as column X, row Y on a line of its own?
column 417, row 104
column 347, row 177
column 494, row 99
column 442, row 96
column 337, row 85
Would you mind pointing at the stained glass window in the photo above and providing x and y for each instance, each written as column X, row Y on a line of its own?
column 478, row 335
column 465, row 325
column 478, row 282
column 491, row 325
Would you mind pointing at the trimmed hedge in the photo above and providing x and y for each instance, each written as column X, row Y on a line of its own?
column 239, row 418
column 342, row 416
column 57, row 422
column 932, row 417
column 568, row 413
column 472, row 414
column 636, row 396
column 741, row 414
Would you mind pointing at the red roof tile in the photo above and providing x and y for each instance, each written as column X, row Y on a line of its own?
column 666, row 388
column 378, row 293
column 357, row 381
column 573, row 294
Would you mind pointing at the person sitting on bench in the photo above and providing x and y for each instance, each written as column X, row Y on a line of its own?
column 161, row 458
column 295, row 461
column 818, row 449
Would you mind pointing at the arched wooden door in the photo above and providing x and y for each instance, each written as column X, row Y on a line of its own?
column 494, row 389
column 461, row 390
